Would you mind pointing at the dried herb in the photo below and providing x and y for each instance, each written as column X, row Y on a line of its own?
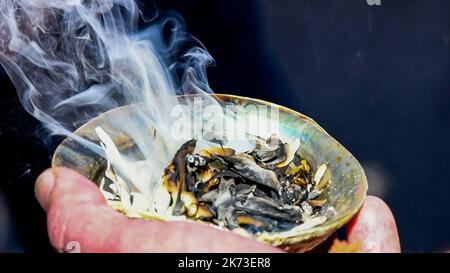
column 269, row 188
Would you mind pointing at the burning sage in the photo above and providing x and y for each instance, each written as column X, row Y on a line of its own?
column 266, row 189
column 128, row 88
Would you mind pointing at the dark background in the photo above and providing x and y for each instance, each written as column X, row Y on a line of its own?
column 377, row 78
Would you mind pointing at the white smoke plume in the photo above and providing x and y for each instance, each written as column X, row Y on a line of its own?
column 71, row 60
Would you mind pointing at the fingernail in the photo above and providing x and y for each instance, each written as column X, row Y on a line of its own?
column 44, row 187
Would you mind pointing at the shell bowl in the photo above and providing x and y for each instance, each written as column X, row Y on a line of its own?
column 345, row 192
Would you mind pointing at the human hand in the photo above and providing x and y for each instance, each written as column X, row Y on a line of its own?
column 77, row 213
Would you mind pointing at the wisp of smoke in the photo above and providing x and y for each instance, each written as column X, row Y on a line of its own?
column 71, row 60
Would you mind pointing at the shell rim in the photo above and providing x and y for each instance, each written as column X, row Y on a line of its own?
column 324, row 229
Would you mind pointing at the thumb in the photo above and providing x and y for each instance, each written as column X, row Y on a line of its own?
column 78, row 215
column 77, row 212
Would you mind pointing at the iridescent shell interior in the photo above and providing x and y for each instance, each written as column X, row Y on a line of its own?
column 345, row 192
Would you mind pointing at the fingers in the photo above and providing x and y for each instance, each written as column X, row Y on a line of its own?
column 374, row 226
column 186, row 237
column 77, row 212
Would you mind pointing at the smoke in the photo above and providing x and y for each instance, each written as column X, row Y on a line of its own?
column 71, row 60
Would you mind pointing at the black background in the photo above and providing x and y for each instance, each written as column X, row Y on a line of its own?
column 377, row 78
column 171, row 262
